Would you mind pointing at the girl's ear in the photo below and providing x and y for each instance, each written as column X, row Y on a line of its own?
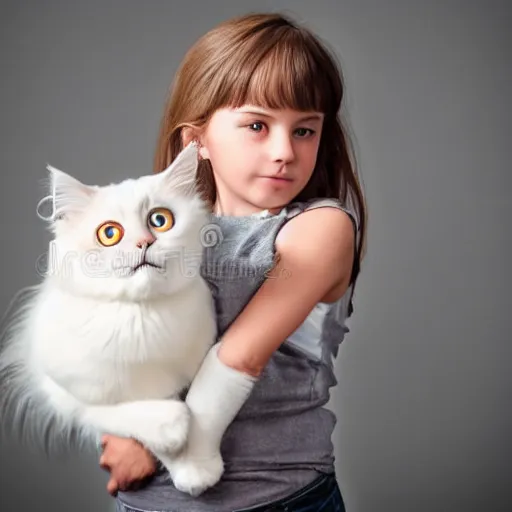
column 193, row 134
column 188, row 134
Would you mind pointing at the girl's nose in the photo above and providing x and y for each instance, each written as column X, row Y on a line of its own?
column 282, row 148
column 146, row 240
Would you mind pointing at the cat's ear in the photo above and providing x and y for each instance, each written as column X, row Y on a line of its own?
column 180, row 176
column 68, row 196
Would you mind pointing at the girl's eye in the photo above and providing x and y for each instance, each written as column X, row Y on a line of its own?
column 109, row 233
column 161, row 219
column 256, row 127
column 304, row 132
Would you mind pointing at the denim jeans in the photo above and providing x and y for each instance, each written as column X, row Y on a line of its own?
column 322, row 495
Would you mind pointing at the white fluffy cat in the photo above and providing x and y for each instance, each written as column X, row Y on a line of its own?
column 123, row 319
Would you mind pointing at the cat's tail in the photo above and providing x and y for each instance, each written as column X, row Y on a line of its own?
column 26, row 414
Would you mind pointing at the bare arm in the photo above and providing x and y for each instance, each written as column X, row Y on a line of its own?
column 316, row 255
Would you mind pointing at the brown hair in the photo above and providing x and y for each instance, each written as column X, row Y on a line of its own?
column 267, row 60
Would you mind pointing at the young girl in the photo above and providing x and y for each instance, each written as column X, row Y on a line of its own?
column 261, row 97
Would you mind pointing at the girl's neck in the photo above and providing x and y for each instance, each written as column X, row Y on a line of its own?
column 241, row 209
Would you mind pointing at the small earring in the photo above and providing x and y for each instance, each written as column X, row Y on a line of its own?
column 199, row 146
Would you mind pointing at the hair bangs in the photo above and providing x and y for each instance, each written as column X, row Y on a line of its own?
column 284, row 73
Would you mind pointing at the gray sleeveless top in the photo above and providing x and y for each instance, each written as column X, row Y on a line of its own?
column 281, row 438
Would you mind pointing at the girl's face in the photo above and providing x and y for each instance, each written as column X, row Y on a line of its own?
column 261, row 158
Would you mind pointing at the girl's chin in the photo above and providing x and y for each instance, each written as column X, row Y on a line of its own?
column 257, row 200
column 274, row 204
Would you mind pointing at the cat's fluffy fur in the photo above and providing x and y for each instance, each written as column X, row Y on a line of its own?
column 101, row 347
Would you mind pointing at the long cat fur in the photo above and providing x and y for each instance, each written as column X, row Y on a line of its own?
column 99, row 348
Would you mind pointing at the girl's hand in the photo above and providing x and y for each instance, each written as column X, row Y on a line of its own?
column 127, row 461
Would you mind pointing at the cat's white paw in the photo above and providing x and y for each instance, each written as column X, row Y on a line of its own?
column 194, row 475
column 166, row 426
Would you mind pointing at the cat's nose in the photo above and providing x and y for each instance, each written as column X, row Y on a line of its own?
column 145, row 241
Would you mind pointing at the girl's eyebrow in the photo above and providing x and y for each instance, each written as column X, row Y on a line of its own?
column 309, row 117
column 312, row 117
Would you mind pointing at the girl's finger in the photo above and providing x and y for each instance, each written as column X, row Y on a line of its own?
column 112, row 487
column 103, row 463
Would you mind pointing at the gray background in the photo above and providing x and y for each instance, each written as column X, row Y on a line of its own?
column 424, row 391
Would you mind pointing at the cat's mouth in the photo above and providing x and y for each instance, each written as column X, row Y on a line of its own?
column 145, row 264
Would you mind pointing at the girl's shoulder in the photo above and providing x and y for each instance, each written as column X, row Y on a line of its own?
column 317, row 225
column 317, row 244
column 298, row 207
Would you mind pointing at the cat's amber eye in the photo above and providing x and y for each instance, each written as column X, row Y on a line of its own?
column 161, row 219
column 109, row 233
